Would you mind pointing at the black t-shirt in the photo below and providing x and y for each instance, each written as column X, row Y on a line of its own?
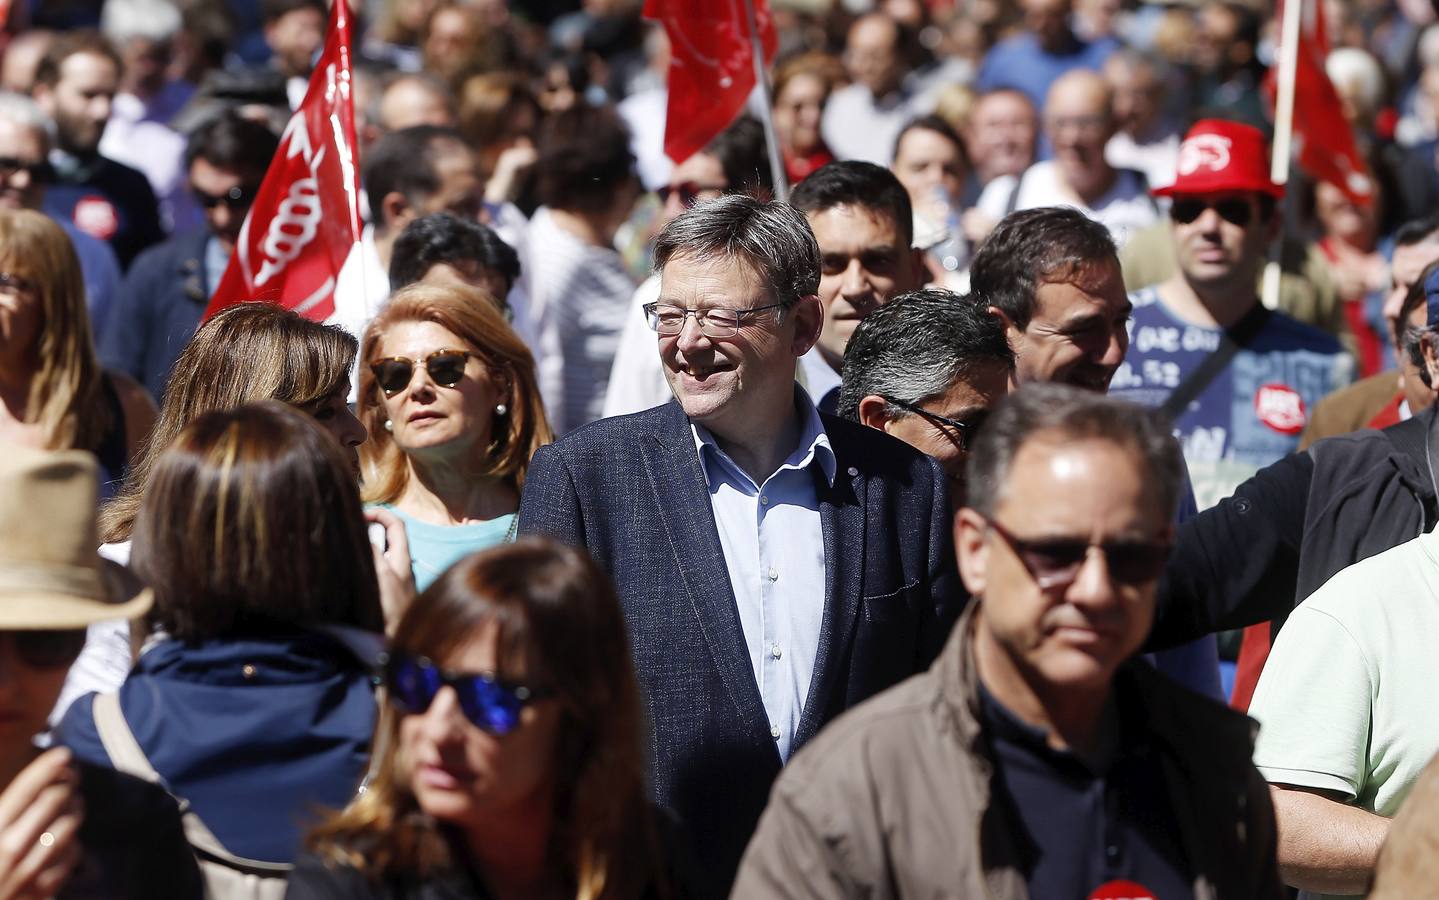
column 1088, row 828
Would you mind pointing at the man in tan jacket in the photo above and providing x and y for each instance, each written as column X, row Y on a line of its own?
column 1036, row 758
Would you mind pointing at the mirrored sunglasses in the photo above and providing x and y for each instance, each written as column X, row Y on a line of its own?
column 491, row 704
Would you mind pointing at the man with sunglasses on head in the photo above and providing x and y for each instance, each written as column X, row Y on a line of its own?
column 1036, row 758
column 25, row 173
column 776, row 565
column 1237, row 379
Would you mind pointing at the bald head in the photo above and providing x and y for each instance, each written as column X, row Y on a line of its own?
column 415, row 100
column 872, row 53
column 1079, row 120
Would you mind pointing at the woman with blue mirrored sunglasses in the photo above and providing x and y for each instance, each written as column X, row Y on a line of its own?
column 509, row 760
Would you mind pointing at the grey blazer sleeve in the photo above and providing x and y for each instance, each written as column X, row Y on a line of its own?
column 550, row 504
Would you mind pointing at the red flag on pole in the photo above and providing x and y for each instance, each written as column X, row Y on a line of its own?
column 1327, row 148
column 711, row 66
column 306, row 217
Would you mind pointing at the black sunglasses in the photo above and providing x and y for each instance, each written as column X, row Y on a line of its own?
column 40, row 172
column 964, row 432
column 238, row 197
column 492, row 704
column 689, row 191
column 445, row 367
column 1235, row 210
column 1055, row 562
column 48, row 649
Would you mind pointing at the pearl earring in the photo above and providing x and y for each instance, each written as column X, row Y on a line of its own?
column 389, row 426
column 501, row 409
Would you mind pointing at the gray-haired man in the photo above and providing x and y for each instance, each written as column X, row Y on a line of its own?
column 926, row 368
column 776, row 565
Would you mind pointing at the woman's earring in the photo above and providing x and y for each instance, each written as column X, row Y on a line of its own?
column 389, row 426
column 501, row 409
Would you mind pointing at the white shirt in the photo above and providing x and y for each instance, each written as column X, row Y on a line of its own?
column 773, row 542
column 637, row 378
column 856, row 126
column 1124, row 209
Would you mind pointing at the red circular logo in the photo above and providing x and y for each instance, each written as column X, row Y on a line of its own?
column 1281, row 408
column 1122, row 890
column 97, row 217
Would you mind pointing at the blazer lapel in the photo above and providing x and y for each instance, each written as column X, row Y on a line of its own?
column 682, row 496
column 841, row 512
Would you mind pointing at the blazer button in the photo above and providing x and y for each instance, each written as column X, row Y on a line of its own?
column 853, row 472
column 247, row 670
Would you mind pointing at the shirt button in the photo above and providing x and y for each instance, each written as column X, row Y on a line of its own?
column 853, row 471
column 775, row 651
column 247, row 670
column 774, row 732
column 1112, row 851
column 763, row 500
column 773, row 574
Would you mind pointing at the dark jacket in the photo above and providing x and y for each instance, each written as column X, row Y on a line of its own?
column 133, row 847
column 895, row 800
column 631, row 490
column 258, row 734
column 157, row 311
column 1257, row 554
column 108, row 200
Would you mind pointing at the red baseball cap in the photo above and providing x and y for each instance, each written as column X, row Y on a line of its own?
column 1219, row 155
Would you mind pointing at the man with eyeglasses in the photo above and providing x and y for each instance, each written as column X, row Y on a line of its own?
column 1238, row 380
column 1079, row 121
column 1036, row 757
column 24, row 175
column 926, row 367
column 776, row 565
column 167, row 288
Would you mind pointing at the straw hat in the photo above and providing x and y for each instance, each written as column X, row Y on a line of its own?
column 51, row 576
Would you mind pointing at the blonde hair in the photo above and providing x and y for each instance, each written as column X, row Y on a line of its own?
column 67, row 387
column 557, row 611
column 472, row 316
column 243, row 354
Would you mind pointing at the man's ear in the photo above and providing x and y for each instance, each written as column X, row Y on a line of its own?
column 1431, row 357
column 874, row 411
column 395, row 211
column 44, row 98
column 1011, row 330
column 972, row 550
column 808, row 316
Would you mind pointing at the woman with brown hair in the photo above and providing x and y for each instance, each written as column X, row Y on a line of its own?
column 53, row 393
column 448, row 394
column 510, row 754
column 256, row 705
column 499, row 115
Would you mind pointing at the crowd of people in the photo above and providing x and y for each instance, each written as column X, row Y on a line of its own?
column 953, row 507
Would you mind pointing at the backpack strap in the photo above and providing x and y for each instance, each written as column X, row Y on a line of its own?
column 127, row 756
column 1231, row 341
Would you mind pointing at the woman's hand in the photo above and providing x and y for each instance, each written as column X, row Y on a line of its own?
column 40, row 815
column 392, row 568
column 510, row 169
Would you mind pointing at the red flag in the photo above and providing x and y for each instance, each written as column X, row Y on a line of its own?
column 1327, row 149
column 306, row 216
column 711, row 66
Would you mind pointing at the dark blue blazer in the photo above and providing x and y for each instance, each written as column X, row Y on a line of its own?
column 631, row 491
column 157, row 310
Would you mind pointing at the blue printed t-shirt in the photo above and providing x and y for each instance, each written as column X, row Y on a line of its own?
column 1250, row 414
column 434, row 548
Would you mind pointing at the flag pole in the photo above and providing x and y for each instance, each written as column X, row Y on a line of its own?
column 1283, row 134
column 766, row 112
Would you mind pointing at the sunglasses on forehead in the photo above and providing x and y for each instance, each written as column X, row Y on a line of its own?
column 1235, row 210
column 445, row 368
column 492, row 704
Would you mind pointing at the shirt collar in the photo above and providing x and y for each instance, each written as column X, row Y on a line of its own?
column 812, row 448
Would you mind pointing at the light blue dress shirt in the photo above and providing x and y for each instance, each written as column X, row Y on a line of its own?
column 773, row 545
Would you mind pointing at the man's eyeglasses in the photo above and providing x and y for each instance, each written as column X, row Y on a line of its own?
column 492, row 704
column 689, row 191
column 1055, row 562
column 39, row 171
column 445, row 368
column 236, row 198
column 1235, row 210
column 963, row 432
column 716, row 322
